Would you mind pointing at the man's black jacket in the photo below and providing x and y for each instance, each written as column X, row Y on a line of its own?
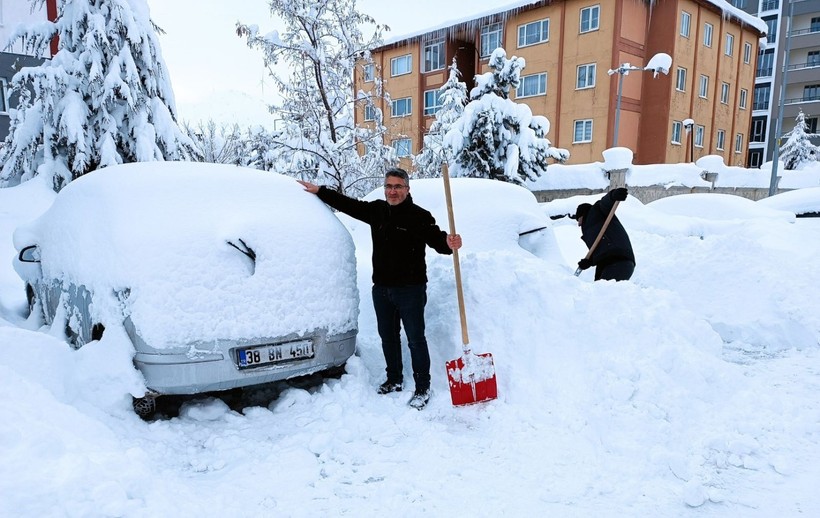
column 400, row 235
column 615, row 244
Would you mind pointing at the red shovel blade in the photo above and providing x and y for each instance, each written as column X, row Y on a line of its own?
column 473, row 384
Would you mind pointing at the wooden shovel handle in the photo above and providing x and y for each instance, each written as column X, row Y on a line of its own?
column 465, row 340
column 600, row 235
column 603, row 229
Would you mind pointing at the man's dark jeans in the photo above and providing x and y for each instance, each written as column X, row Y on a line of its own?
column 396, row 306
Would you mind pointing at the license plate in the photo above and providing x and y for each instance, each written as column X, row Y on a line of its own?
column 271, row 354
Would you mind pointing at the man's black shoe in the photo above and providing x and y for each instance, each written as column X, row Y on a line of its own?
column 388, row 386
column 420, row 399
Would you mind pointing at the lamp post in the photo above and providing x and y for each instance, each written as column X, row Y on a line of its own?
column 659, row 63
column 689, row 124
column 779, row 124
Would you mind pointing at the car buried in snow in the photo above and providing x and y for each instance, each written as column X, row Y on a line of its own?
column 220, row 277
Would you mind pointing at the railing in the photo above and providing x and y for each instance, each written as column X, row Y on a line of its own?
column 804, row 99
column 764, row 72
column 798, row 66
column 760, row 105
column 798, row 32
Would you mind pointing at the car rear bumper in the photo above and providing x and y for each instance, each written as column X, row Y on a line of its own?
column 175, row 372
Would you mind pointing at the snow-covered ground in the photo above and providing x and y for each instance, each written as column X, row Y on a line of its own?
column 690, row 390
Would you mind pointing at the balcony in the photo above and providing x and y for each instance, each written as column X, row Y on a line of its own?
column 805, row 38
column 764, row 72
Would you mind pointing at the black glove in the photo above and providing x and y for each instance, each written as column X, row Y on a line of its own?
column 619, row 194
column 583, row 264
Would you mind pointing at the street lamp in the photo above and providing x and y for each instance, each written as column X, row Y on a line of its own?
column 689, row 124
column 659, row 63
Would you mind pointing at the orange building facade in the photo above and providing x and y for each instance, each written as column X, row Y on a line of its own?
column 569, row 46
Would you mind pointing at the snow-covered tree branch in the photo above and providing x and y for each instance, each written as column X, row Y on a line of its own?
column 321, row 45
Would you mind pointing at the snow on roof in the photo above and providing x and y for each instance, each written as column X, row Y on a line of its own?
column 725, row 7
column 161, row 230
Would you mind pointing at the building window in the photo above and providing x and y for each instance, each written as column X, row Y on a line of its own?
column 590, row 18
column 680, row 81
column 685, row 23
column 740, row 4
column 4, row 99
column 704, row 86
column 758, row 130
column 755, row 158
column 762, row 93
column 811, row 125
column 677, row 127
column 813, row 58
column 811, row 93
column 535, row 84
column 744, row 94
column 401, row 65
column 730, row 44
column 533, row 33
column 707, row 34
column 432, row 101
column 586, row 76
column 739, row 143
column 771, row 28
column 401, row 107
column 721, row 139
column 368, row 73
column 724, row 93
column 765, row 63
column 369, row 112
column 699, row 132
column 433, row 56
column 747, row 52
column 583, row 131
column 490, row 38
column 815, row 25
column 403, row 147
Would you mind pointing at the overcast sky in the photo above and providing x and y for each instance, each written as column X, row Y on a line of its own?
column 207, row 61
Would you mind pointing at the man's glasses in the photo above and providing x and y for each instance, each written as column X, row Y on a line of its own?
column 394, row 187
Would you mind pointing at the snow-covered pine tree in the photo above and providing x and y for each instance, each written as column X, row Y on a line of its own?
column 104, row 98
column 496, row 137
column 798, row 149
column 321, row 44
column 453, row 96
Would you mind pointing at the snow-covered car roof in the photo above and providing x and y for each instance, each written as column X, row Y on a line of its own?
column 161, row 230
column 799, row 201
column 716, row 207
column 489, row 214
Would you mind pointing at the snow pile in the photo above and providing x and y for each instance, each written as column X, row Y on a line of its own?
column 692, row 385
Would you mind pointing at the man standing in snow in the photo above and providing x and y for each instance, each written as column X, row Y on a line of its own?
column 401, row 231
column 613, row 257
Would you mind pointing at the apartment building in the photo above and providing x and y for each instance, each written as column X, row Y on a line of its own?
column 569, row 46
column 12, row 59
column 787, row 77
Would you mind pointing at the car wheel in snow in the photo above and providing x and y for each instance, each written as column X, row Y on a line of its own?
column 145, row 406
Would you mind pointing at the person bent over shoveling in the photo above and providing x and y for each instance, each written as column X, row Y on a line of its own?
column 401, row 231
column 612, row 257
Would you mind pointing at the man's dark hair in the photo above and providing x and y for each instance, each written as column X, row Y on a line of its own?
column 398, row 172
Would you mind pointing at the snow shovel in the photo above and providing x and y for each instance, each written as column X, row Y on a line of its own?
column 472, row 376
column 600, row 235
